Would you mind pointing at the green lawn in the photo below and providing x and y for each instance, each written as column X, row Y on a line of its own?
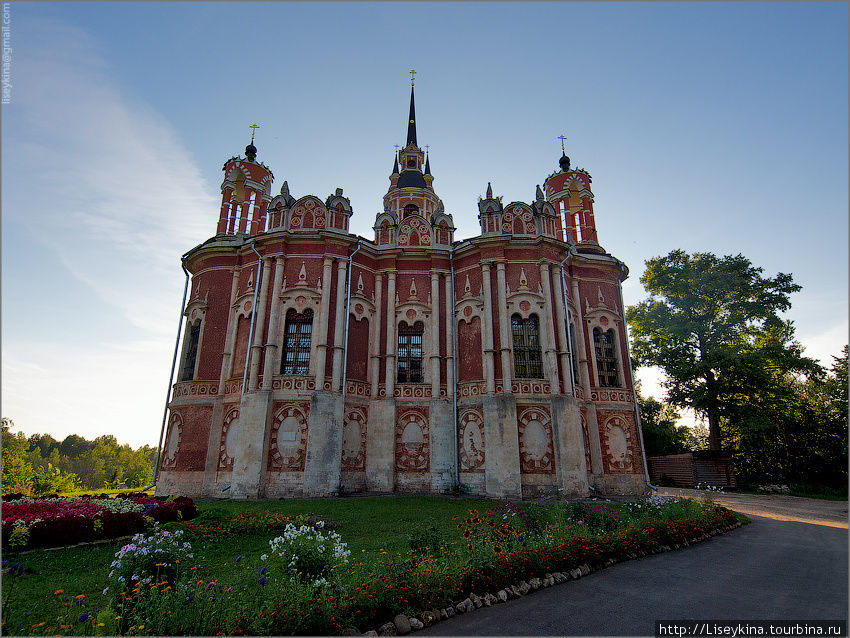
column 365, row 523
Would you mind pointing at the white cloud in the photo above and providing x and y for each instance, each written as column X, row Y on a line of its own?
column 101, row 181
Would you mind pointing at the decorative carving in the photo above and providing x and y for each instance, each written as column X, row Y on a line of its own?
column 618, row 443
column 194, row 388
column 354, row 439
column 471, row 441
column 413, row 288
column 302, row 274
column 227, row 445
column 536, row 450
column 412, row 441
column 360, row 283
column 414, row 232
column 175, row 438
column 288, row 443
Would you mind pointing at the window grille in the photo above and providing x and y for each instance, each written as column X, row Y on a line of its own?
column 528, row 357
column 296, row 343
column 188, row 371
column 606, row 358
column 410, row 352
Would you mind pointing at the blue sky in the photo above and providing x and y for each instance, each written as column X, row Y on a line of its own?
column 716, row 127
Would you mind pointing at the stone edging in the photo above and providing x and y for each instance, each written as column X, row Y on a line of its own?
column 403, row 624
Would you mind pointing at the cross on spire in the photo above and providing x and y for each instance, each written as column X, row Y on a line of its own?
column 254, row 128
column 412, row 73
column 562, row 138
column 427, row 148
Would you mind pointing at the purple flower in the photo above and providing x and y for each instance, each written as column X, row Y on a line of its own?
column 238, row 558
column 210, row 585
column 190, row 598
column 264, row 570
column 83, row 618
column 262, row 581
column 79, row 601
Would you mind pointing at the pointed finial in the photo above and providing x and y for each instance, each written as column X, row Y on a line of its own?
column 538, row 194
column 489, row 191
column 412, row 73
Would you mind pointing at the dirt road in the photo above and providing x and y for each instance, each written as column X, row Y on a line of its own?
column 777, row 506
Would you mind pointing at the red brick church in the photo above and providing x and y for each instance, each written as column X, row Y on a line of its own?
column 316, row 362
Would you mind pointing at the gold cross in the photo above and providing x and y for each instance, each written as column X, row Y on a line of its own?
column 427, row 148
column 254, row 128
column 396, row 148
column 412, row 73
column 562, row 138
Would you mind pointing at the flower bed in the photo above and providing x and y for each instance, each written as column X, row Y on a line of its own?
column 307, row 580
column 52, row 521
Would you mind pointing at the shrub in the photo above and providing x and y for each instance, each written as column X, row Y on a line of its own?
column 307, row 552
column 147, row 557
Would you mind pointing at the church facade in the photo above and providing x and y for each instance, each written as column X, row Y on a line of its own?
column 317, row 363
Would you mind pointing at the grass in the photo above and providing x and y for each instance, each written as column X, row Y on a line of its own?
column 371, row 523
column 804, row 490
column 376, row 529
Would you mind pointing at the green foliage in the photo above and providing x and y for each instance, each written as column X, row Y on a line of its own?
column 713, row 325
column 41, row 465
column 661, row 435
column 427, row 539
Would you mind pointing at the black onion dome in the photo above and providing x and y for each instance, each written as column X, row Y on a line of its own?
column 411, row 179
column 251, row 152
column 564, row 162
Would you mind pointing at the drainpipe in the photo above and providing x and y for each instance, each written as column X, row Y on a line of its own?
column 569, row 324
column 171, row 377
column 347, row 315
column 454, row 367
column 253, row 314
column 628, row 358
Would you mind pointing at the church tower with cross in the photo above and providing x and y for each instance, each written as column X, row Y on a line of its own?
column 316, row 362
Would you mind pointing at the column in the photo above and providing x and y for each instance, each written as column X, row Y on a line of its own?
column 375, row 351
column 232, row 214
column 391, row 336
column 548, row 330
column 583, row 371
column 487, row 330
column 322, row 331
column 560, row 321
column 435, row 335
column 233, row 321
column 273, row 341
column 339, row 326
column 450, row 339
column 246, row 210
column 260, row 325
column 225, row 207
column 504, row 333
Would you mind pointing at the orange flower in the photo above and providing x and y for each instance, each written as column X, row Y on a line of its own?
column 58, row 591
column 81, row 596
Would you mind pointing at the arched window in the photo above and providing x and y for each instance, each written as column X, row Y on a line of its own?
column 528, row 357
column 187, row 372
column 296, row 342
column 410, row 352
column 606, row 358
column 410, row 209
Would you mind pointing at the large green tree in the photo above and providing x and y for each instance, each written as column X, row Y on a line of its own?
column 712, row 325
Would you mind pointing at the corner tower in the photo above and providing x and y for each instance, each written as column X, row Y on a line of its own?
column 245, row 194
column 569, row 192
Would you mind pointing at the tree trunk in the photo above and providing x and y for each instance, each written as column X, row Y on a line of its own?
column 714, row 442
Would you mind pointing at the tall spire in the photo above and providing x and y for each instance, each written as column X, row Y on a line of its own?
column 411, row 121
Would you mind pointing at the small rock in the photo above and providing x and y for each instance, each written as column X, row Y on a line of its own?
column 415, row 624
column 460, row 608
column 585, row 569
column 547, row 575
column 402, row 624
column 515, row 591
column 371, row 632
column 524, row 587
column 559, row 577
column 427, row 617
column 489, row 600
column 575, row 573
column 502, row 596
column 450, row 612
column 437, row 616
column 477, row 603
column 535, row 584
column 549, row 581
column 387, row 629
column 470, row 606
column 444, row 615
